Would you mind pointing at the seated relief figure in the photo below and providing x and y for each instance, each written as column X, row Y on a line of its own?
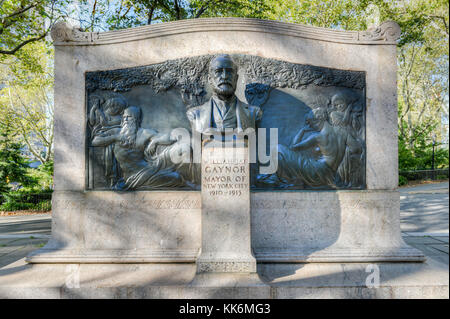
column 315, row 160
column 103, row 117
column 144, row 155
column 346, row 114
column 106, row 115
column 224, row 109
column 311, row 160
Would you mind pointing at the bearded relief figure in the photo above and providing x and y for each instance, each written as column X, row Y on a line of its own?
column 144, row 155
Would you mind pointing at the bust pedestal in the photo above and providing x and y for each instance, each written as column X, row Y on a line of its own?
column 226, row 238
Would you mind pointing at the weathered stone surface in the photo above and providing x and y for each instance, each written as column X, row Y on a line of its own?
column 92, row 226
column 274, row 281
column 387, row 33
column 285, row 227
column 226, row 230
column 123, row 227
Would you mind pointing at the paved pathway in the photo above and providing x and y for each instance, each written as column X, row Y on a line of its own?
column 434, row 247
column 424, row 211
column 424, row 223
column 20, row 235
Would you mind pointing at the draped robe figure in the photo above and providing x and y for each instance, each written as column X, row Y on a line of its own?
column 144, row 155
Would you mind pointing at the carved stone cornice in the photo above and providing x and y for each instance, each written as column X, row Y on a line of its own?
column 388, row 31
column 64, row 34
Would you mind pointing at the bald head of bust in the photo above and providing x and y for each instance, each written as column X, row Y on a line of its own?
column 223, row 76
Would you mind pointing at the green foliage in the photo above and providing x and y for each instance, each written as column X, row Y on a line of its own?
column 23, row 22
column 26, row 82
column 44, row 179
column 25, row 200
column 419, row 155
column 13, row 166
column 413, row 16
column 423, row 158
column 343, row 14
column 47, row 168
column 10, row 206
column 20, row 21
column 26, row 62
column 26, row 99
column 111, row 15
column 260, row 9
column 423, row 84
column 402, row 180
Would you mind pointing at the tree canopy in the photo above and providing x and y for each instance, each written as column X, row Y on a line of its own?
column 26, row 56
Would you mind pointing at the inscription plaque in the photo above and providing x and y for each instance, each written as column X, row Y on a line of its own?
column 226, row 242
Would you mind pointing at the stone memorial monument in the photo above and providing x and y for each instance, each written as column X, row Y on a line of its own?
column 259, row 152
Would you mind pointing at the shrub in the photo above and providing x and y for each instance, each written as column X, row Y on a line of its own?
column 25, row 200
column 13, row 206
column 402, row 180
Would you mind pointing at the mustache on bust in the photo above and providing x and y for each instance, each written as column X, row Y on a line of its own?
column 225, row 87
column 226, row 91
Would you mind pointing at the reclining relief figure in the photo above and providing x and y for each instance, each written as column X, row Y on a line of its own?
column 315, row 160
column 144, row 155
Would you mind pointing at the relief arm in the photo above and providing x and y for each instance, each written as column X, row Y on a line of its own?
column 347, row 115
column 105, row 140
column 92, row 117
column 308, row 143
column 164, row 139
column 300, row 134
column 96, row 115
column 154, row 139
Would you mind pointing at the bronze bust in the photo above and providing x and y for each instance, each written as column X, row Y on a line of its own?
column 223, row 110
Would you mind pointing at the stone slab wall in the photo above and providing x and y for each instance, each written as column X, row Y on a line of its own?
column 104, row 226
